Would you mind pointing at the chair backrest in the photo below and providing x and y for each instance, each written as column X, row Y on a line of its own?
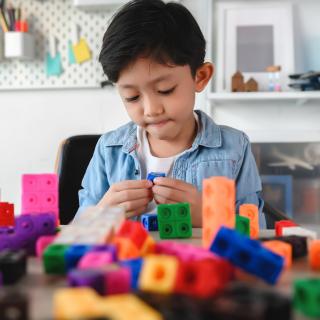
column 74, row 156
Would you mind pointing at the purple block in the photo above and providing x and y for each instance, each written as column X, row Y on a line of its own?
column 25, row 225
column 6, row 241
column 6, row 230
column 45, row 223
column 106, row 247
column 87, row 278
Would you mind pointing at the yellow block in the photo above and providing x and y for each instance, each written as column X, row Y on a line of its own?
column 158, row 273
column 81, row 51
column 127, row 307
column 76, row 303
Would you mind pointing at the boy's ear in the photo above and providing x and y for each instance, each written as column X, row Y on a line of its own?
column 203, row 75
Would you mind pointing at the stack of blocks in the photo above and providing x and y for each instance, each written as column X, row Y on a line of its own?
column 174, row 220
column 251, row 212
column 218, row 207
column 40, row 194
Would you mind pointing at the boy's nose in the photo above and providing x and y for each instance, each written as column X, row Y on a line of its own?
column 152, row 107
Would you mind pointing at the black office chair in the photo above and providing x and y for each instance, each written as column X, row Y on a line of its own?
column 73, row 158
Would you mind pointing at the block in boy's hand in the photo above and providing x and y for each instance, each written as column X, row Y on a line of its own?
column 153, row 175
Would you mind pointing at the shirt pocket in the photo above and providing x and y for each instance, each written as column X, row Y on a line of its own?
column 212, row 168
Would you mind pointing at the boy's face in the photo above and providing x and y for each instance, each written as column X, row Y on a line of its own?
column 159, row 98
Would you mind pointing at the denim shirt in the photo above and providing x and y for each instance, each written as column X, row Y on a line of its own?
column 216, row 151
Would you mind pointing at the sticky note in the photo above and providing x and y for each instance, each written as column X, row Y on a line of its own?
column 71, row 57
column 53, row 65
column 81, row 51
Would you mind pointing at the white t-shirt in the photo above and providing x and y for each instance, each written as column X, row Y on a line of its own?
column 150, row 163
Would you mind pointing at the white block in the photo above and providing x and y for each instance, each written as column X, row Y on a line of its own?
column 19, row 45
column 298, row 231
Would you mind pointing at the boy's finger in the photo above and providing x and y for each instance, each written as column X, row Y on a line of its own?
column 136, row 212
column 172, row 183
column 162, row 200
column 131, row 184
column 132, row 194
column 170, row 194
column 134, row 204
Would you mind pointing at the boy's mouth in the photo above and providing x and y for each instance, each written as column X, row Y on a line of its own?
column 158, row 123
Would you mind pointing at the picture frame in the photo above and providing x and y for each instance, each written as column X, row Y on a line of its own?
column 277, row 190
column 253, row 35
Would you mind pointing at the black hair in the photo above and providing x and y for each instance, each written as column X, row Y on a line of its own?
column 166, row 32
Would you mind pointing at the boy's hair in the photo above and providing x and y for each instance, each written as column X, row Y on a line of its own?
column 165, row 32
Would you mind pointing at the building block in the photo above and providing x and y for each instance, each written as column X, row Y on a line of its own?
column 298, row 243
column 314, row 254
column 13, row 305
column 174, row 220
column 153, row 175
column 40, row 194
column 218, row 207
column 281, row 248
column 203, row 278
column 183, row 251
column 134, row 231
column 243, row 225
column 150, row 221
column 76, row 303
column 298, row 231
column 54, row 259
column 42, row 243
column 87, row 278
column 6, row 214
column 135, row 265
column 248, row 254
column 74, row 253
column 126, row 249
column 13, row 265
column 6, row 230
column 251, row 211
column 158, row 273
column 106, row 248
column 123, row 306
column 306, row 296
column 148, row 246
column 95, row 259
column 117, row 280
column 279, row 225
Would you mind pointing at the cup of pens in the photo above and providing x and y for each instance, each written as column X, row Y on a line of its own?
column 18, row 43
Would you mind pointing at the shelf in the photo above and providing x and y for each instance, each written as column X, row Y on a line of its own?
column 299, row 97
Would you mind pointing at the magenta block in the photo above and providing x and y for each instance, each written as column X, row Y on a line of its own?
column 117, row 281
column 42, row 243
column 183, row 251
column 95, row 259
column 40, row 193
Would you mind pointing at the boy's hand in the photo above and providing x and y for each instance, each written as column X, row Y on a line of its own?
column 168, row 190
column 132, row 195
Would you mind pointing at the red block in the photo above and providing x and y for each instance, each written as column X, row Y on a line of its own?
column 6, row 214
column 279, row 225
column 134, row 231
column 203, row 278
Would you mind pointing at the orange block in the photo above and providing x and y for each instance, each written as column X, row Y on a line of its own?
column 282, row 249
column 218, row 207
column 126, row 248
column 314, row 254
column 251, row 211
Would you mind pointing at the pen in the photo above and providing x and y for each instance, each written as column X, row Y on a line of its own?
column 3, row 22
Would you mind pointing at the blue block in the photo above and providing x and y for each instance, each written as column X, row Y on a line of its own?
column 74, row 253
column 150, row 221
column 152, row 175
column 247, row 254
column 135, row 267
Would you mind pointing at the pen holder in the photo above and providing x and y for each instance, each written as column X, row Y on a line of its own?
column 19, row 45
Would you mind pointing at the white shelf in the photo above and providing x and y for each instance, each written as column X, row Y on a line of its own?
column 300, row 97
column 97, row 4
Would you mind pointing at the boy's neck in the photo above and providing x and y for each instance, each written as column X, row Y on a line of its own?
column 169, row 148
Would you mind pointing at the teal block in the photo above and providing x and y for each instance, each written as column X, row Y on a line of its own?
column 174, row 220
column 53, row 65
column 243, row 225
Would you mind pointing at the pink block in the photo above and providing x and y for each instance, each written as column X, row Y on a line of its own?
column 183, row 251
column 95, row 259
column 118, row 281
column 42, row 243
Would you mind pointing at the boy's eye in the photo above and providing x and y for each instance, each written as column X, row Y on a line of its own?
column 167, row 91
column 131, row 99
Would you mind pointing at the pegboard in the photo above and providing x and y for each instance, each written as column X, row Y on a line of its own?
column 57, row 17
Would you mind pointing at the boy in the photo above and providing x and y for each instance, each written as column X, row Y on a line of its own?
column 154, row 53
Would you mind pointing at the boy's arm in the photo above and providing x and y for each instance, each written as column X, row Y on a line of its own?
column 248, row 182
column 95, row 181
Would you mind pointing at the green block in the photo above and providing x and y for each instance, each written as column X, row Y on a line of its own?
column 307, row 296
column 53, row 259
column 243, row 225
column 174, row 220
